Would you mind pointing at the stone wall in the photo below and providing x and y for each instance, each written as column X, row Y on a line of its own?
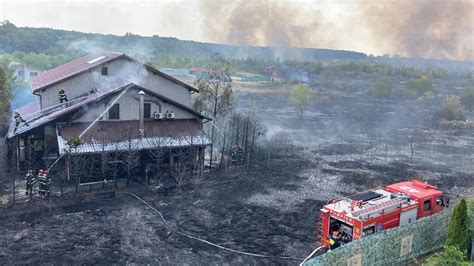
column 391, row 247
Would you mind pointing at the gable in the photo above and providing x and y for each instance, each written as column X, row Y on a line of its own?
column 86, row 63
column 119, row 69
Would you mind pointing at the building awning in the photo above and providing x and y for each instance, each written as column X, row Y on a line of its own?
column 109, row 136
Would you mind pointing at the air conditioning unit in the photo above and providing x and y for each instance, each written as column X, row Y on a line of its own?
column 158, row 116
column 170, row 115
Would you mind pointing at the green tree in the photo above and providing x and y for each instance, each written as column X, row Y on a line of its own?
column 5, row 96
column 382, row 88
column 451, row 256
column 301, row 96
column 215, row 97
column 451, row 109
column 459, row 234
column 467, row 98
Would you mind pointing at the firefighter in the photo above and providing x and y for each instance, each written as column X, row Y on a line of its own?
column 236, row 153
column 42, row 182
column 62, row 96
column 335, row 240
column 47, row 183
column 30, row 181
column 18, row 120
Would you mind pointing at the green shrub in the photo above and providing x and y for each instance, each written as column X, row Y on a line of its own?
column 451, row 109
column 459, row 234
column 382, row 88
column 418, row 87
column 450, row 256
column 467, row 99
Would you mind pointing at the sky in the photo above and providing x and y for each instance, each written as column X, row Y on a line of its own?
column 415, row 28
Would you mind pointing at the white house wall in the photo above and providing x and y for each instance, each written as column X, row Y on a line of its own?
column 119, row 69
column 129, row 108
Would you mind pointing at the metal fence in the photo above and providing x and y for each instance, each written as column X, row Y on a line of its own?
column 391, row 247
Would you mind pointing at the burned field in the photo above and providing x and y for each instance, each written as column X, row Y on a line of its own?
column 123, row 230
column 338, row 147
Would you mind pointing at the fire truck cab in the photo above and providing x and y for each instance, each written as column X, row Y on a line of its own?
column 372, row 211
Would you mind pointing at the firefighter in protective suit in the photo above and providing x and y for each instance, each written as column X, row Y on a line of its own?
column 62, row 96
column 18, row 120
column 48, row 183
column 42, row 182
column 30, row 181
column 335, row 240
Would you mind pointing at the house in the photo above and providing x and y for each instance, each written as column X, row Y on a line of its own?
column 118, row 110
column 23, row 72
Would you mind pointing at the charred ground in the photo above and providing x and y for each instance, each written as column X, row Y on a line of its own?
column 343, row 143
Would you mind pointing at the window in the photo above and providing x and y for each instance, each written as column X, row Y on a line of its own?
column 33, row 74
column 114, row 111
column 105, row 71
column 426, row 206
column 439, row 201
column 21, row 73
column 147, row 110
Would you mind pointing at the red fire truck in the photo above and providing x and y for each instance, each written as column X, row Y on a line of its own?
column 369, row 212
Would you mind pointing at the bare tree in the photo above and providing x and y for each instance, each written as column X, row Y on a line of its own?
column 130, row 153
column 215, row 95
column 161, row 148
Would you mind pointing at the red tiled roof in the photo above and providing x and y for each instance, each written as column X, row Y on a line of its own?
column 71, row 69
column 38, row 118
column 78, row 66
column 44, row 116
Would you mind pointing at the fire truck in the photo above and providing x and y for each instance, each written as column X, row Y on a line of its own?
column 372, row 211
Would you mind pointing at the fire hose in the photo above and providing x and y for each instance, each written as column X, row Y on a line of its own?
column 203, row 240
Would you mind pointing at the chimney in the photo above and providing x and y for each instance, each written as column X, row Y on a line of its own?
column 141, row 112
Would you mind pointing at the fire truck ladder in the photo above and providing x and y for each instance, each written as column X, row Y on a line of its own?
column 319, row 229
column 379, row 207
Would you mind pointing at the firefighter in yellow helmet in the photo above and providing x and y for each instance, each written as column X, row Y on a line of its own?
column 335, row 240
column 62, row 96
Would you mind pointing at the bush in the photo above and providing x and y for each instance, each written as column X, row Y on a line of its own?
column 467, row 98
column 451, row 109
column 459, row 234
column 382, row 88
column 451, row 256
column 418, row 87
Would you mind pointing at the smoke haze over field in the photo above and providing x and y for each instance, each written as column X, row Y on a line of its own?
column 442, row 29
column 414, row 28
column 422, row 28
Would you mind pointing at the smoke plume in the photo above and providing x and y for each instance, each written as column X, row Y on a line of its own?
column 262, row 23
column 422, row 28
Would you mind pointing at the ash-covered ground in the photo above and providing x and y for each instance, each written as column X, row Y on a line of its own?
column 340, row 146
column 124, row 230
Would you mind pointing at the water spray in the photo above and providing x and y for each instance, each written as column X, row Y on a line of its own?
column 95, row 121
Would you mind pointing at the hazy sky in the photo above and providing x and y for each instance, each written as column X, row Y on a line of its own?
column 428, row 28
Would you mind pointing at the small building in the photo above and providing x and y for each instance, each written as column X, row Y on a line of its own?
column 122, row 117
column 24, row 72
